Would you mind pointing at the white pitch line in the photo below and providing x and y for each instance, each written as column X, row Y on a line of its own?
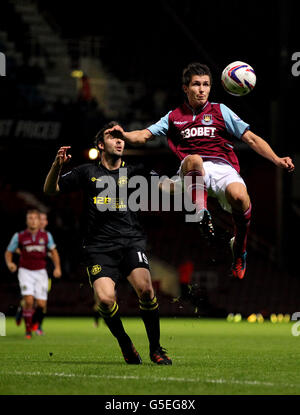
column 156, row 379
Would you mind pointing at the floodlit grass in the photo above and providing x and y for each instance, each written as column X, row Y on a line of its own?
column 210, row 357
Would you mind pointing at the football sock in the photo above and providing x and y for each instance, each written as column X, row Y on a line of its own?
column 27, row 315
column 150, row 314
column 241, row 228
column 111, row 316
column 38, row 316
column 196, row 189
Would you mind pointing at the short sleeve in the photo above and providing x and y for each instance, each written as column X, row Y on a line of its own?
column 234, row 124
column 14, row 243
column 71, row 181
column 161, row 127
column 51, row 244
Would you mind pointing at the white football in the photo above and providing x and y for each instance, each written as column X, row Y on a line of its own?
column 238, row 78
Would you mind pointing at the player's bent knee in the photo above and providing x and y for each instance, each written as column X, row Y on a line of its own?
column 144, row 288
column 104, row 289
column 193, row 158
column 237, row 196
column 192, row 162
column 146, row 292
column 106, row 301
column 241, row 201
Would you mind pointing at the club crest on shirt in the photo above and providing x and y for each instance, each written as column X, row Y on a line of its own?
column 96, row 269
column 41, row 241
column 207, row 119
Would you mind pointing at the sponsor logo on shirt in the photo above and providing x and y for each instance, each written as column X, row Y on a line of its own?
column 94, row 179
column 180, row 122
column 33, row 248
column 198, row 132
column 114, row 202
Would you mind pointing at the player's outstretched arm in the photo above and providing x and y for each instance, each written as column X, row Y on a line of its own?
column 263, row 148
column 51, row 183
column 136, row 137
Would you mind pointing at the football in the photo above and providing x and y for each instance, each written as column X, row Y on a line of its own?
column 238, row 78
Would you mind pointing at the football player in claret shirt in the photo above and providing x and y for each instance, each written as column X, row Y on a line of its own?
column 114, row 242
column 38, row 316
column 33, row 244
column 201, row 134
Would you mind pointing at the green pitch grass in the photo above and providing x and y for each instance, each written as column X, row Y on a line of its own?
column 209, row 357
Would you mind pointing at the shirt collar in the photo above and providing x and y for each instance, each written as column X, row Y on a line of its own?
column 198, row 111
column 99, row 164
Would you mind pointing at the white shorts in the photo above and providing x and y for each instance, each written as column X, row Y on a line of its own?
column 33, row 282
column 218, row 175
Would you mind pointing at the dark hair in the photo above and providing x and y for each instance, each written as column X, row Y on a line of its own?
column 99, row 137
column 32, row 211
column 195, row 68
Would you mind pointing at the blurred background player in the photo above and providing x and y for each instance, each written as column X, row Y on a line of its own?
column 38, row 316
column 33, row 244
column 114, row 243
column 43, row 221
column 200, row 134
